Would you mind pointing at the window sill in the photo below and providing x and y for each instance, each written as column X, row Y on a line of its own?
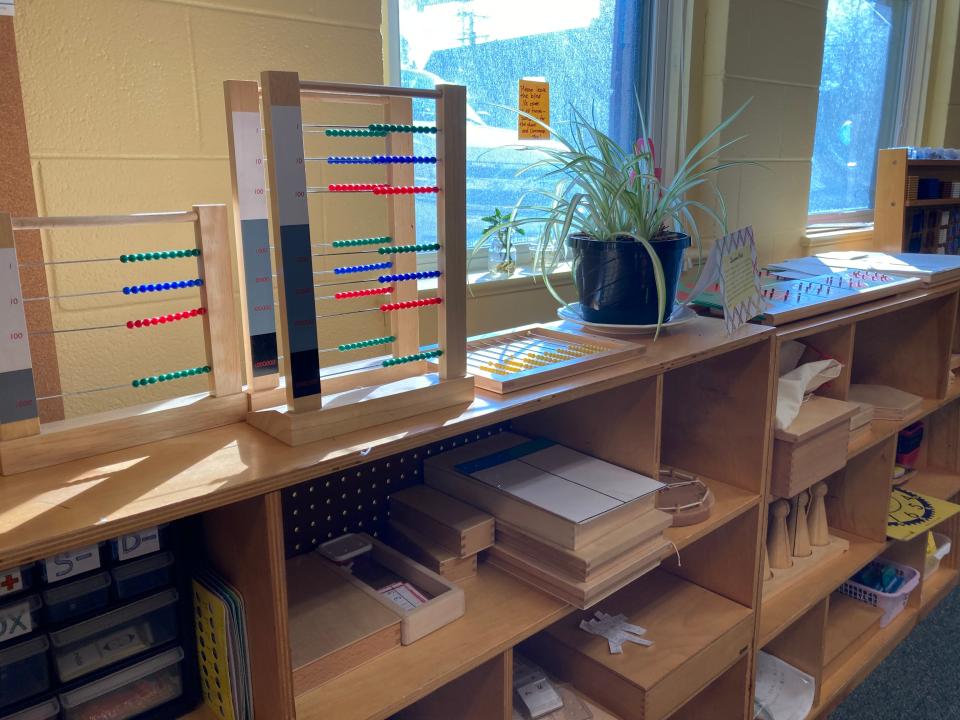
column 814, row 239
column 481, row 284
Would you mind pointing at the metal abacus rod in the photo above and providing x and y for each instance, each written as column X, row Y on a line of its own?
column 48, row 223
column 374, row 159
column 389, row 307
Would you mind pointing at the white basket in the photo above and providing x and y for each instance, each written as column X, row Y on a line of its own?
column 934, row 558
column 892, row 604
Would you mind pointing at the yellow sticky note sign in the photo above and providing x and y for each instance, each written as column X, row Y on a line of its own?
column 534, row 100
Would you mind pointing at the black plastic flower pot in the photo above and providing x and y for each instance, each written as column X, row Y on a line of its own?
column 615, row 279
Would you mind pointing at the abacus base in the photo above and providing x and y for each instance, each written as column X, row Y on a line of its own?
column 65, row 440
column 362, row 408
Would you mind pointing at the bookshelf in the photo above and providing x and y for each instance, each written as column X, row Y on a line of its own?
column 697, row 399
column 904, row 222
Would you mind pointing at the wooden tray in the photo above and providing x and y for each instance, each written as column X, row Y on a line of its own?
column 510, row 360
column 446, row 605
column 334, row 625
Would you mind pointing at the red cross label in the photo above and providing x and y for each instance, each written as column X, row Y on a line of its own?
column 10, row 581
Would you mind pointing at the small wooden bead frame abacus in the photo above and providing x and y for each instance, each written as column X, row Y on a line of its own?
column 400, row 385
column 26, row 444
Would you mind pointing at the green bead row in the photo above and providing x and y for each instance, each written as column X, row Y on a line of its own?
column 412, row 358
column 362, row 241
column 164, row 377
column 355, row 133
column 408, row 248
column 366, row 343
column 163, row 255
column 389, row 127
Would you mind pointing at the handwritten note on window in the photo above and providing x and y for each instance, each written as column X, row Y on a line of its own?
column 534, row 100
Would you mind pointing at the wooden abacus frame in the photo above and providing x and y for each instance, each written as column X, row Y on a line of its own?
column 298, row 411
column 25, row 444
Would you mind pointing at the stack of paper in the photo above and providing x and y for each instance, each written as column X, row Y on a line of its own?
column 222, row 647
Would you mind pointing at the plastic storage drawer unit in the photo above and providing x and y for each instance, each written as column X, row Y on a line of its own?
column 46, row 710
column 23, row 670
column 141, row 576
column 80, row 597
column 128, row 692
column 140, row 543
column 72, row 563
column 15, row 579
column 114, row 636
column 19, row 617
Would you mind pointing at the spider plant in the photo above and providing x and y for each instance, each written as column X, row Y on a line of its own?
column 608, row 192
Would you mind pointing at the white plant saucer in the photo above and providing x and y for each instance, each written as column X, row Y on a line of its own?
column 680, row 316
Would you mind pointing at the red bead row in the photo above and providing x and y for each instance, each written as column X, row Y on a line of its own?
column 163, row 319
column 362, row 293
column 404, row 190
column 354, row 187
column 411, row 304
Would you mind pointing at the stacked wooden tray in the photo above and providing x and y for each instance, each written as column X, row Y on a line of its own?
column 439, row 531
column 580, row 539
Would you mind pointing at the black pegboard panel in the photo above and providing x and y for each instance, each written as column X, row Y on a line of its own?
column 356, row 500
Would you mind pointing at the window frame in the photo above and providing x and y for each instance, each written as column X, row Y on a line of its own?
column 659, row 22
column 915, row 27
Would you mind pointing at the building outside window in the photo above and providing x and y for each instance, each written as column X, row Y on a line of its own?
column 589, row 51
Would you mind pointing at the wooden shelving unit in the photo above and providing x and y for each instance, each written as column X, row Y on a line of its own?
column 895, row 211
column 697, row 400
column 907, row 346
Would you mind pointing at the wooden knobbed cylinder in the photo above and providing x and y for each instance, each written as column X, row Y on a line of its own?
column 767, row 572
column 817, row 516
column 798, row 531
column 778, row 540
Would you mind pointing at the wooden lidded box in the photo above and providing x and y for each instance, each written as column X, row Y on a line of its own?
column 812, row 447
column 696, row 636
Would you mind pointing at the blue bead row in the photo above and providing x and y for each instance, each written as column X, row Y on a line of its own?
column 160, row 287
column 380, row 159
column 361, row 268
column 409, row 276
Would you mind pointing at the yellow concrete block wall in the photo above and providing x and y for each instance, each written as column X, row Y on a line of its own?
column 124, row 108
column 770, row 51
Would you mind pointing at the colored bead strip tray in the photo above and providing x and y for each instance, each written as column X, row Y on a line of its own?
column 510, row 360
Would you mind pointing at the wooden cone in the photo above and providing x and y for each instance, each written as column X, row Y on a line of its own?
column 778, row 540
column 819, row 532
column 798, row 531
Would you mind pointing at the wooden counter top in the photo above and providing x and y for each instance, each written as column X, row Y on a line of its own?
column 52, row 509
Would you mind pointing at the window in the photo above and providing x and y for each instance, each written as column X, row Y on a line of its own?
column 587, row 50
column 859, row 93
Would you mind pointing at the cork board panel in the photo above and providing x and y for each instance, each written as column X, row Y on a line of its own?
column 17, row 197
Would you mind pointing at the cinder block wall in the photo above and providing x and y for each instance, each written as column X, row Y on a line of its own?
column 771, row 51
column 124, row 110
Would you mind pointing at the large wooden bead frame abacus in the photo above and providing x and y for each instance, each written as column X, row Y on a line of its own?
column 353, row 395
column 26, row 444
